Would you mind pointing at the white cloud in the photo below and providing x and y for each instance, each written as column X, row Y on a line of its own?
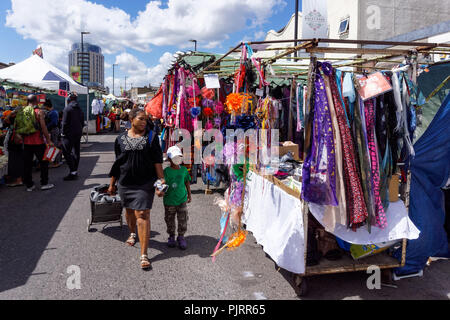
column 57, row 24
column 138, row 74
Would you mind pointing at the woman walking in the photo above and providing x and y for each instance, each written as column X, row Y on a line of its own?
column 137, row 167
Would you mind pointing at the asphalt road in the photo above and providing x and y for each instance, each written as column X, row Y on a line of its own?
column 43, row 234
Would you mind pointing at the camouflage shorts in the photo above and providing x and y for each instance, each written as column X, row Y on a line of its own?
column 181, row 213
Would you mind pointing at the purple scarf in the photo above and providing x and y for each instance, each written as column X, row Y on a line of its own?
column 319, row 170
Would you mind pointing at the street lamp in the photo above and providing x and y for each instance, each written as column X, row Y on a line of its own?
column 125, row 85
column 113, row 78
column 195, row 41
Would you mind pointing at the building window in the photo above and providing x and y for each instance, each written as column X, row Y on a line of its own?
column 344, row 27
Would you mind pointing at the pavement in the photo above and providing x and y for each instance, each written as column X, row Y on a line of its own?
column 44, row 238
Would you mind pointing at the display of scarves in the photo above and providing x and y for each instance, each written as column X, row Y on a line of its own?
column 356, row 206
column 319, row 169
column 380, row 216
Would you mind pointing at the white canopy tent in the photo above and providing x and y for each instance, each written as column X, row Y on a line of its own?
column 37, row 72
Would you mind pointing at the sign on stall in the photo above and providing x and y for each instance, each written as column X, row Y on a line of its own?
column 212, row 81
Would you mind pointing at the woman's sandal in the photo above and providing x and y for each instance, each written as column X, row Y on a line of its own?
column 131, row 240
column 145, row 264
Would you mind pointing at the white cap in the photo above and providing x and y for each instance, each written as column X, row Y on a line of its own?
column 173, row 152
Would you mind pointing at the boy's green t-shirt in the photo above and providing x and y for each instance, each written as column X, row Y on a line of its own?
column 176, row 179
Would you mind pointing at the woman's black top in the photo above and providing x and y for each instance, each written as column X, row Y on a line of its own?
column 135, row 159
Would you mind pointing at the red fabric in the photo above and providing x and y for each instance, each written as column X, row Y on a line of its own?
column 34, row 138
column 154, row 107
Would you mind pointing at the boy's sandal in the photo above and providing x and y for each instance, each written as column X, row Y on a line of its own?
column 131, row 240
column 145, row 264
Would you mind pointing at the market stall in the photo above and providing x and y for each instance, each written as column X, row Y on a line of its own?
column 12, row 96
column 346, row 214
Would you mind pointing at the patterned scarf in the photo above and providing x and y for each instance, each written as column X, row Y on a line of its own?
column 373, row 151
column 319, row 170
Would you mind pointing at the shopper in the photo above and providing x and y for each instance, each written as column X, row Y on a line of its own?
column 72, row 131
column 52, row 122
column 179, row 193
column 34, row 143
column 15, row 153
column 137, row 167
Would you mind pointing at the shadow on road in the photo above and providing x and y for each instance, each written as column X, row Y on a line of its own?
column 201, row 246
column 29, row 220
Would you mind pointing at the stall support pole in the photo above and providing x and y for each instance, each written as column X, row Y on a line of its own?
column 307, row 135
column 87, row 116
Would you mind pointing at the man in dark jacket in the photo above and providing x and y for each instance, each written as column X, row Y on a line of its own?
column 72, row 131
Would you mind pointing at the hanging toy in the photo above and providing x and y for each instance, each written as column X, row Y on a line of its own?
column 207, row 103
column 193, row 103
column 207, row 93
column 208, row 113
column 219, row 108
column 195, row 112
column 191, row 89
column 234, row 103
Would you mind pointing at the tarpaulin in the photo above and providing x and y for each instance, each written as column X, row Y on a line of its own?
column 430, row 170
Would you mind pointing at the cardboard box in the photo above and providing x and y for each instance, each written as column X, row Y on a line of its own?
column 282, row 150
column 394, row 188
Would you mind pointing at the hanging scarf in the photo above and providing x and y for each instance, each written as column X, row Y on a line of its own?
column 364, row 161
column 373, row 151
column 319, row 170
column 299, row 98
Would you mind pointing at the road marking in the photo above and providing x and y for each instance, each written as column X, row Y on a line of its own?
column 248, row 274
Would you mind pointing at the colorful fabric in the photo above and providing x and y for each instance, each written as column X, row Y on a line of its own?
column 362, row 150
column 380, row 215
column 319, row 170
column 356, row 207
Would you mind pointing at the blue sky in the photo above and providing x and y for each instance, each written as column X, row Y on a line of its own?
column 141, row 34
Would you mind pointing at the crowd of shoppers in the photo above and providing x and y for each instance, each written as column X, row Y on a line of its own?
column 34, row 130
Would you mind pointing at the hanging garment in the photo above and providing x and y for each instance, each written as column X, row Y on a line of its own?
column 356, row 206
column 336, row 215
column 362, row 150
column 319, row 169
column 299, row 100
column 380, row 216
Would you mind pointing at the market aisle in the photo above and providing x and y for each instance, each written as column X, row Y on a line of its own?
column 42, row 234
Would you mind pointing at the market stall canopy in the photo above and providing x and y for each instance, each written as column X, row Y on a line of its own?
column 37, row 72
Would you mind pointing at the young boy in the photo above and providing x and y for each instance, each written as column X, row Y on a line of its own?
column 179, row 193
